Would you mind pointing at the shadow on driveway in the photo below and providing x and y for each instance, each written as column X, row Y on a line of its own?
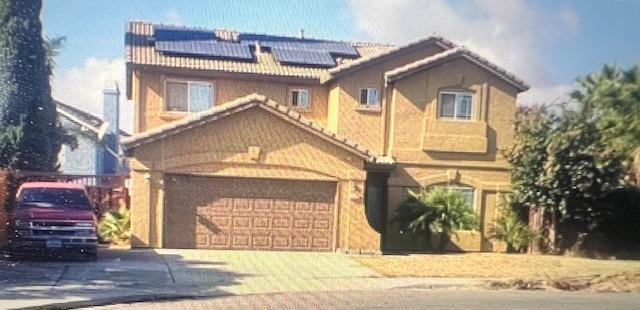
column 43, row 280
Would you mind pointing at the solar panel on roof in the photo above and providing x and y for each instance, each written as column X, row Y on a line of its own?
column 336, row 48
column 302, row 57
column 172, row 33
column 209, row 48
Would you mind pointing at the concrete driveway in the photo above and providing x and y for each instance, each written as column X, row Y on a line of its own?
column 157, row 274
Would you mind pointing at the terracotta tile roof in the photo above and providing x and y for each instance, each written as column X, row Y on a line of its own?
column 405, row 70
column 140, row 50
column 240, row 104
column 384, row 54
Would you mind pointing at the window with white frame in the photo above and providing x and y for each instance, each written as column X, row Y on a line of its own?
column 455, row 105
column 189, row 96
column 299, row 98
column 468, row 193
column 369, row 97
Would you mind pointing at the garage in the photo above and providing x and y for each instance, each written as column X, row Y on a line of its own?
column 249, row 213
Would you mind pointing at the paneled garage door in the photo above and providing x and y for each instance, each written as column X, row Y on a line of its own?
column 257, row 214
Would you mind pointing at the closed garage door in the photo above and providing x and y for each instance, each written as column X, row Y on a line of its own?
column 240, row 213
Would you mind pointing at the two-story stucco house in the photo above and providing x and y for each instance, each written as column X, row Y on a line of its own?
column 251, row 141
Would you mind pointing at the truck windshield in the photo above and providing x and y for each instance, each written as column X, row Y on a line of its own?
column 54, row 197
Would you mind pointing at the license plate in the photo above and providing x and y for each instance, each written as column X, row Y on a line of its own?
column 54, row 244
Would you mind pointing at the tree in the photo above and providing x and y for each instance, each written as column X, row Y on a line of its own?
column 436, row 211
column 612, row 98
column 25, row 92
column 567, row 159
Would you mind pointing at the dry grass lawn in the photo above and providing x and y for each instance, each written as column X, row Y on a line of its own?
column 494, row 265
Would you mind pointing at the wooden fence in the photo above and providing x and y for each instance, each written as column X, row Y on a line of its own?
column 108, row 192
column 4, row 218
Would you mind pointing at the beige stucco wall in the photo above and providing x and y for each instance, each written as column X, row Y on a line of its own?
column 367, row 126
column 286, row 152
column 487, row 183
column 149, row 89
column 433, row 151
column 418, row 136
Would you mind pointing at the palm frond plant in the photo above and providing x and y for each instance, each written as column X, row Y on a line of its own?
column 510, row 228
column 437, row 211
column 115, row 226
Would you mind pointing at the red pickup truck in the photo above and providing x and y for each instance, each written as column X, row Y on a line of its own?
column 54, row 217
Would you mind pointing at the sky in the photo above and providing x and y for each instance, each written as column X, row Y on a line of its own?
column 547, row 43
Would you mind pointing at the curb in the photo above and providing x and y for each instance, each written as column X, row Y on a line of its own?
column 129, row 299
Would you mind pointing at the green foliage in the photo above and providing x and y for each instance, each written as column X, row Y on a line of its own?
column 10, row 137
column 115, row 226
column 567, row 158
column 510, row 228
column 529, row 154
column 612, row 97
column 436, row 211
column 25, row 92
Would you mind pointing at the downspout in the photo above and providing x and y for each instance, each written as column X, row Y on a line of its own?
column 385, row 133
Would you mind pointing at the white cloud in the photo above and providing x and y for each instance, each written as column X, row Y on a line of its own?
column 545, row 95
column 172, row 17
column 570, row 18
column 82, row 87
column 509, row 33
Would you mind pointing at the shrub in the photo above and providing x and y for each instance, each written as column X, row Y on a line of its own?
column 510, row 227
column 115, row 226
column 436, row 211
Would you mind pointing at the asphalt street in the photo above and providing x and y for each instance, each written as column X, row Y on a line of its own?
column 405, row 299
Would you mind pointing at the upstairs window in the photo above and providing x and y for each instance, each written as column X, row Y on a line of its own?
column 369, row 97
column 299, row 98
column 183, row 96
column 455, row 105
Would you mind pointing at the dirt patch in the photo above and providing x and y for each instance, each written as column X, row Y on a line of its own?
column 494, row 265
column 623, row 282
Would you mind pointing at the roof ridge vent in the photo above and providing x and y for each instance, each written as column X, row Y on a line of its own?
column 227, row 35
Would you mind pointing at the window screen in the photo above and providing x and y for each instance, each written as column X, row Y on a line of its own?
column 177, row 96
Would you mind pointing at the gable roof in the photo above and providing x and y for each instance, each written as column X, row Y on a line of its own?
column 254, row 100
column 450, row 54
column 142, row 48
column 229, row 51
column 82, row 118
column 380, row 57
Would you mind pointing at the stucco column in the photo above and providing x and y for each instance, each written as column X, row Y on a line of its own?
column 356, row 234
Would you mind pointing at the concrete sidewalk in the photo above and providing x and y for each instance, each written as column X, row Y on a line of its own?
column 138, row 275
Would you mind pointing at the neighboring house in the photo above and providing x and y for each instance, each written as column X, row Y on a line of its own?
column 250, row 141
column 98, row 146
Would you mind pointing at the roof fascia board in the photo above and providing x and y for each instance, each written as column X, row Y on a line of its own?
column 213, row 74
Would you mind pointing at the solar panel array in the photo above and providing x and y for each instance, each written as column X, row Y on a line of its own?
column 172, row 33
column 303, row 57
column 286, row 50
column 206, row 48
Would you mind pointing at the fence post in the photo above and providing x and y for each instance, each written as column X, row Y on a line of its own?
column 4, row 217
